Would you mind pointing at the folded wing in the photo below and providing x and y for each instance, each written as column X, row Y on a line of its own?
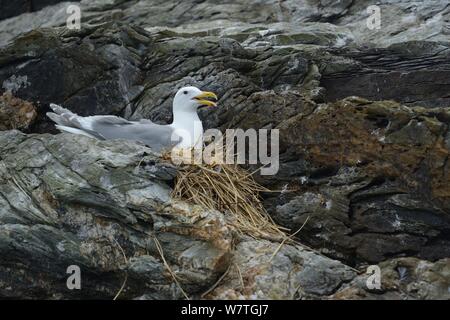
column 158, row 137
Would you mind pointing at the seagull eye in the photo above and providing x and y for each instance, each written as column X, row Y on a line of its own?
column 185, row 92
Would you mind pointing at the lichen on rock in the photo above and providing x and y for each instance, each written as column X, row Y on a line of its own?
column 15, row 113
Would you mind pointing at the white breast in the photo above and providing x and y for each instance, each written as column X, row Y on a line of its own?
column 191, row 133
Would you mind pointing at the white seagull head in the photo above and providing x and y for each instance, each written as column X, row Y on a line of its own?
column 190, row 99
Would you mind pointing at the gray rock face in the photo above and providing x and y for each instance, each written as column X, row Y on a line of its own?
column 105, row 207
column 403, row 278
column 292, row 273
column 383, row 196
column 46, row 68
column 401, row 21
column 370, row 174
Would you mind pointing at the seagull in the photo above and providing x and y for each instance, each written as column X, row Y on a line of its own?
column 185, row 132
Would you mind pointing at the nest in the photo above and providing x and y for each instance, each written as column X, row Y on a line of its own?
column 231, row 189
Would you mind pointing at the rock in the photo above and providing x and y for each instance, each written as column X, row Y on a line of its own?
column 373, row 191
column 104, row 206
column 403, row 278
column 60, row 69
column 402, row 64
column 289, row 272
column 15, row 113
column 39, row 14
column 15, row 8
column 231, row 49
column 243, row 61
column 364, row 122
column 419, row 21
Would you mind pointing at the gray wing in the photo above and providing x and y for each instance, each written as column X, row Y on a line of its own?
column 66, row 120
column 156, row 136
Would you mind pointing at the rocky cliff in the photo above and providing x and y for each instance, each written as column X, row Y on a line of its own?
column 364, row 128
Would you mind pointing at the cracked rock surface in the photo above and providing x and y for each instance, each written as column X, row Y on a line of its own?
column 364, row 131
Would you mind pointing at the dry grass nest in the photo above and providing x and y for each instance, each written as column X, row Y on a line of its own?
column 230, row 189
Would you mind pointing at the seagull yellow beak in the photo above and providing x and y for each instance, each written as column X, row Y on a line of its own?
column 202, row 99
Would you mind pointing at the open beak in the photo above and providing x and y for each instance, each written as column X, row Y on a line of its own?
column 206, row 99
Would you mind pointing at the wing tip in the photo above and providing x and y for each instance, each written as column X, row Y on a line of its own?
column 53, row 116
column 59, row 109
column 54, row 106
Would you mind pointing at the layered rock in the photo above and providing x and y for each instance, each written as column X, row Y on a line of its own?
column 371, row 176
column 105, row 207
column 402, row 279
column 363, row 116
column 401, row 21
column 14, row 8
